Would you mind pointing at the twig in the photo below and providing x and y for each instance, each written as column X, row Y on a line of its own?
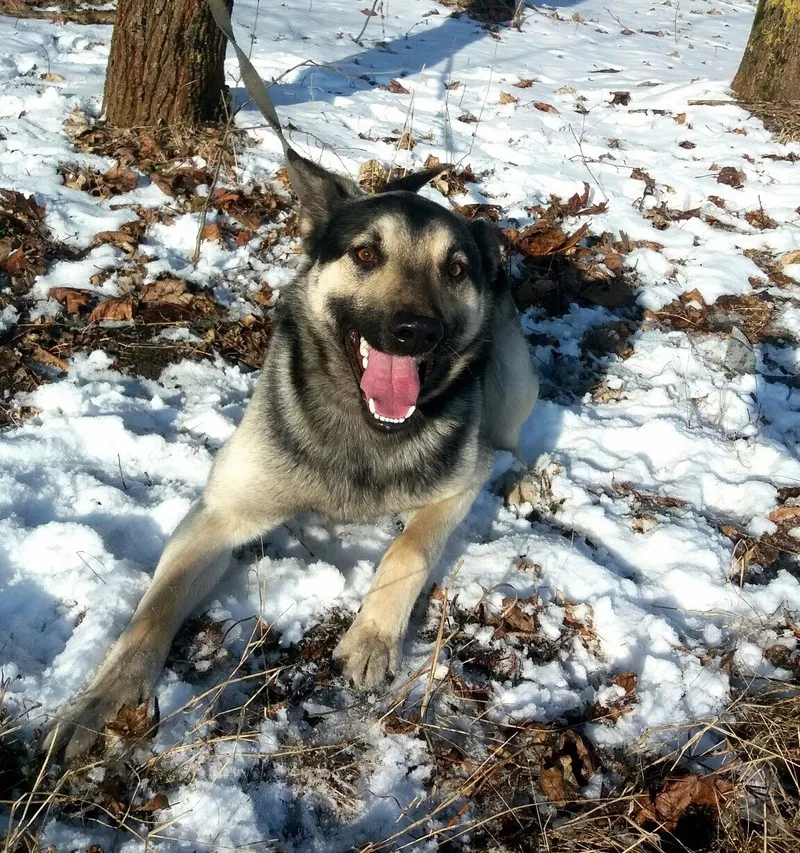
column 357, row 39
column 212, row 187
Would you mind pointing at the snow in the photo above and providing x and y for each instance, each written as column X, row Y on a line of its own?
column 92, row 485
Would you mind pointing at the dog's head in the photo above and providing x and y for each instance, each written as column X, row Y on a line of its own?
column 401, row 285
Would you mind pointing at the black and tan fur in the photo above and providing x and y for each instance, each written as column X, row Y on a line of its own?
column 308, row 443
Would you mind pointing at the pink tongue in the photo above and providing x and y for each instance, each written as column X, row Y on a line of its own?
column 392, row 381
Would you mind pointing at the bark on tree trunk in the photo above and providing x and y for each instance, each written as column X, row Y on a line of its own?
column 166, row 64
column 770, row 69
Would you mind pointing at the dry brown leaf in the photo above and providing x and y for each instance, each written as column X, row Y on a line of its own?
column 543, row 239
column 132, row 721
column 567, row 768
column 732, row 176
column 120, row 179
column 114, row 309
column 406, row 142
column 41, row 355
column 545, row 108
column 524, row 84
column 760, row 219
column 789, row 258
column 508, row 98
column 784, row 513
column 264, row 296
column 372, row 177
column 640, row 175
column 468, row 118
column 211, row 232
column 610, row 713
column 678, row 795
column 514, row 620
column 180, row 183
column 22, row 205
column 397, row 88
column 649, row 500
column 369, row 13
column 621, row 98
column 167, row 291
column 155, row 804
column 72, row 300
column 121, row 239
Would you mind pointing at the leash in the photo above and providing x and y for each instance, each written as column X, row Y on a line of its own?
column 250, row 77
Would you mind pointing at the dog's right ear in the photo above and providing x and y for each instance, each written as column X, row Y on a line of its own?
column 320, row 191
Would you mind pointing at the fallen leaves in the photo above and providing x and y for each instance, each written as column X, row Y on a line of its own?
column 760, row 219
column 114, row 309
column 785, row 513
column 543, row 239
column 211, row 233
column 508, row 98
column 126, row 237
column 70, row 298
column 406, row 142
column 662, row 216
column 26, row 245
column 516, row 619
column 372, row 176
column 731, row 176
column 677, row 796
column 181, row 182
column 396, row 88
column 132, row 721
column 173, row 293
column 117, row 180
column 544, row 108
column 611, row 710
column 43, row 356
column 567, row 768
column 789, row 258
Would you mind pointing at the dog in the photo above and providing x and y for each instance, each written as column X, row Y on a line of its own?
column 396, row 369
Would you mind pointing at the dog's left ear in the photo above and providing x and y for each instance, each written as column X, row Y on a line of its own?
column 414, row 182
column 320, row 191
column 485, row 235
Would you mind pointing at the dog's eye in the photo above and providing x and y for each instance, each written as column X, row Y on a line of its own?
column 364, row 256
column 456, row 270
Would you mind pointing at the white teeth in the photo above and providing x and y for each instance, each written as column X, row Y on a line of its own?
column 365, row 362
column 364, row 349
column 371, row 404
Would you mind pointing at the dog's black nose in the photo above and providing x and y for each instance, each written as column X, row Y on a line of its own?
column 416, row 334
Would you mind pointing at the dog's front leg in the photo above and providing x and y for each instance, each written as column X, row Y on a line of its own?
column 237, row 506
column 373, row 645
column 194, row 560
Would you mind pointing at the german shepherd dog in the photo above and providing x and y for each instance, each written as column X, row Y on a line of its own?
column 396, row 369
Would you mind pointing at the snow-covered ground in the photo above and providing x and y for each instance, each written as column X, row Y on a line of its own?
column 631, row 488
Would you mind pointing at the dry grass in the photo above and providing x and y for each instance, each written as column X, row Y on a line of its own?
column 783, row 120
column 493, row 787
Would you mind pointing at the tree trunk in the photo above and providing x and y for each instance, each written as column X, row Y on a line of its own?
column 770, row 69
column 166, row 65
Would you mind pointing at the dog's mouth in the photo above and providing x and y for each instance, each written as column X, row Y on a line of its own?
column 390, row 384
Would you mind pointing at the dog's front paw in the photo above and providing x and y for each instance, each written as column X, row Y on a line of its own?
column 368, row 655
column 80, row 724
